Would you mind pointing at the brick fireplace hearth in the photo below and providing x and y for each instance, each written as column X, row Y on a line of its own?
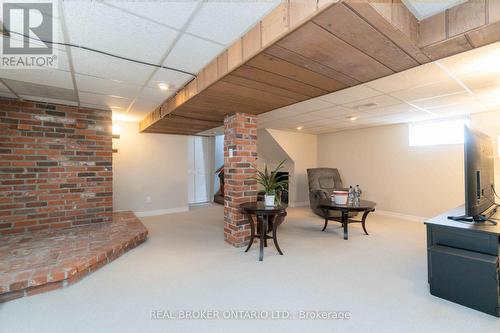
column 56, row 216
column 40, row 261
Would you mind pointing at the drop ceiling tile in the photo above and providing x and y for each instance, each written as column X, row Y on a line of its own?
column 95, row 106
column 49, row 100
column 41, row 90
column 428, row 91
column 49, row 77
column 169, row 13
column 321, row 122
column 107, row 29
column 99, row 65
column 480, row 80
column 225, row 21
column 350, row 95
column 112, row 102
column 97, row 85
column 320, row 130
column 479, row 60
column 393, row 109
column 411, row 78
column 372, row 103
column 406, row 117
column 308, row 106
column 57, row 35
column 492, row 92
column 155, row 95
column 304, row 118
column 446, row 100
column 175, row 79
column 142, row 107
column 333, row 112
column 461, row 109
column 191, row 54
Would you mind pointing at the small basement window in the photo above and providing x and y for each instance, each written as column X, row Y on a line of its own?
column 447, row 132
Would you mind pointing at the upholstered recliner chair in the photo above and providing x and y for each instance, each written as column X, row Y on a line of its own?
column 322, row 182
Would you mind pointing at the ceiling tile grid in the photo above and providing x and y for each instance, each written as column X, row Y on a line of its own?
column 184, row 35
column 456, row 86
column 189, row 34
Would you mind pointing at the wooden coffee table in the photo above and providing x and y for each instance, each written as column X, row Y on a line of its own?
column 363, row 206
column 268, row 218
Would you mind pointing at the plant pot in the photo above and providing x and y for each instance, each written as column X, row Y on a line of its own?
column 269, row 200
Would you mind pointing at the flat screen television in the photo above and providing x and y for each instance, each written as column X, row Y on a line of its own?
column 479, row 177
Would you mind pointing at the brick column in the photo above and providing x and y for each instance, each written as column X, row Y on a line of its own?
column 240, row 155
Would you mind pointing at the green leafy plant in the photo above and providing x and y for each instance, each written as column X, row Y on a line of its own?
column 270, row 181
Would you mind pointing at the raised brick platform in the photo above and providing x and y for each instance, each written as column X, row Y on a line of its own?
column 39, row 261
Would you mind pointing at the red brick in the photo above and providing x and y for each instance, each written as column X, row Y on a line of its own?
column 240, row 135
column 76, row 254
column 44, row 288
column 34, row 165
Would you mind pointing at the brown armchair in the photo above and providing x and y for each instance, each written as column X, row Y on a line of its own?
column 322, row 182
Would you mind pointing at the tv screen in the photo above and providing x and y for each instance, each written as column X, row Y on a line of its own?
column 479, row 172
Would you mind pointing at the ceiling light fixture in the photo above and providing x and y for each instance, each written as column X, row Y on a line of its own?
column 352, row 118
column 163, row 86
column 299, row 128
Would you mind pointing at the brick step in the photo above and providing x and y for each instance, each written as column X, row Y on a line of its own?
column 40, row 261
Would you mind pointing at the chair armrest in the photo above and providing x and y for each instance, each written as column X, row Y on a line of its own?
column 319, row 194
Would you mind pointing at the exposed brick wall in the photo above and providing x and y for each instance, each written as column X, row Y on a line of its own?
column 55, row 166
column 240, row 135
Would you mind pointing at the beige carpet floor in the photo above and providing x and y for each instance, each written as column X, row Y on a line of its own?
column 380, row 279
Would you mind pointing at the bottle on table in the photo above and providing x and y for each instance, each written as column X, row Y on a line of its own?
column 357, row 194
column 351, row 195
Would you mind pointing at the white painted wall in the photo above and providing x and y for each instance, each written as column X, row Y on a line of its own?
column 299, row 149
column 149, row 165
column 420, row 181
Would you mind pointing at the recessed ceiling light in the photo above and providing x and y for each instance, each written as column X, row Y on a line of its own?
column 352, row 118
column 299, row 128
column 164, row 86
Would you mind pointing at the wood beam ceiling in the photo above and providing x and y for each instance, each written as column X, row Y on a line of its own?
column 308, row 48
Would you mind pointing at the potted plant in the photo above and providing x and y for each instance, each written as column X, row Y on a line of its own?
column 271, row 183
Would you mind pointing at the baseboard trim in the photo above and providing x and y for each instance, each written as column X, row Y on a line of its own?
column 413, row 218
column 162, row 211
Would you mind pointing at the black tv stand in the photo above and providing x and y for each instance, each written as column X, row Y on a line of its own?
column 463, row 261
column 478, row 219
